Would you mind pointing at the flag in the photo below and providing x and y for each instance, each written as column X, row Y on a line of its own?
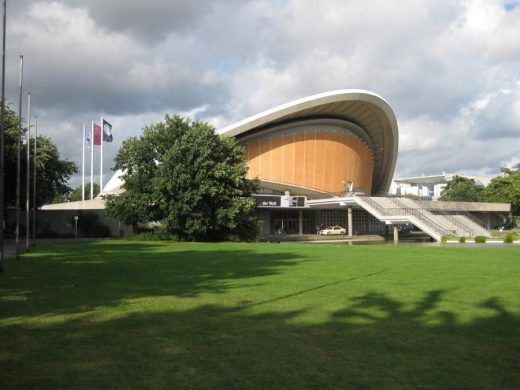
column 97, row 134
column 88, row 138
column 107, row 131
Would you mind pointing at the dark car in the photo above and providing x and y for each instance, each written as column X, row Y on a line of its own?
column 405, row 229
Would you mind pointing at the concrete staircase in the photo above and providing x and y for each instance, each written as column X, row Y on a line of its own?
column 406, row 210
column 462, row 222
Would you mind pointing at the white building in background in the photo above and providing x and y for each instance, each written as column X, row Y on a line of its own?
column 429, row 187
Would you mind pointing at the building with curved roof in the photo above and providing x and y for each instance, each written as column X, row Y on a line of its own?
column 327, row 160
column 330, row 143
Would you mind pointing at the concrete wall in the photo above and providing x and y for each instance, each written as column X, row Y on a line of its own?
column 467, row 206
column 61, row 222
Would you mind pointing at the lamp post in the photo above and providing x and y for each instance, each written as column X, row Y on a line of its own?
column 34, row 180
column 2, row 141
column 28, row 174
column 76, row 222
column 18, row 141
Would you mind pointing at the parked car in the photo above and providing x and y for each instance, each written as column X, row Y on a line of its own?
column 405, row 229
column 332, row 230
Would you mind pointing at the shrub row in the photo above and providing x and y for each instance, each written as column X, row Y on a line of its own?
column 508, row 239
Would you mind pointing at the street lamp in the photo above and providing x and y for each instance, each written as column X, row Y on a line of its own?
column 76, row 221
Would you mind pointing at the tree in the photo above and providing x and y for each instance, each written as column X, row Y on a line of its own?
column 462, row 189
column 52, row 171
column 75, row 195
column 183, row 174
column 506, row 188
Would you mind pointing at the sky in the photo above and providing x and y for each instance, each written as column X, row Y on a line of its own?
column 450, row 69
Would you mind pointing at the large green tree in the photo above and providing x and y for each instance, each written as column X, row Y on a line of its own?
column 192, row 180
column 53, row 172
column 462, row 189
column 506, row 188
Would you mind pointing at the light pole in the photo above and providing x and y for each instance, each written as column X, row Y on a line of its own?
column 18, row 140
column 34, row 179
column 76, row 221
column 28, row 174
column 2, row 169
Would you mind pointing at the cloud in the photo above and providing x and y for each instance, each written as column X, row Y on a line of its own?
column 492, row 27
column 448, row 68
column 499, row 115
column 150, row 21
column 511, row 163
column 477, row 140
column 87, row 68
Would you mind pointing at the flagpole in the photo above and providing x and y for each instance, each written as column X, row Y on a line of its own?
column 92, row 160
column 17, row 229
column 34, row 179
column 83, row 164
column 28, row 173
column 101, row 161
column 2, row 140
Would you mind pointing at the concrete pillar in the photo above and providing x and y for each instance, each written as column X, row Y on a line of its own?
column 300, row 222
column 488, row 221
column 396, row 234
column 349, row 221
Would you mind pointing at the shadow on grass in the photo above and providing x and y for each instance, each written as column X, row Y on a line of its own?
column 99, row 275
column 216, row 347
column 373, row 341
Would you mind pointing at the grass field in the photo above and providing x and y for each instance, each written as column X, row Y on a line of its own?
column 118, row 314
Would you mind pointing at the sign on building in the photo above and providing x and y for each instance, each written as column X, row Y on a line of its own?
column 280, row 201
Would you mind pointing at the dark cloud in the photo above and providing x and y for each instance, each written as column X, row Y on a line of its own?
column 150, row 20
column 86, row 70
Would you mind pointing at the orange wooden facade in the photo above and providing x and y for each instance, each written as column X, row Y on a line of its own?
column 320, row 160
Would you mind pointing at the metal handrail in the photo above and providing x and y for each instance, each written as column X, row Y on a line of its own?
column 445, row 212
column 468, row 228
column 407, row 212
column 463, row 227
column 420, row 211
column 474, row 219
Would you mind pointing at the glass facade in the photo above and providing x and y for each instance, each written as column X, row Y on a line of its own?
column 364, row 223
column 333, row 217
column 287, row 221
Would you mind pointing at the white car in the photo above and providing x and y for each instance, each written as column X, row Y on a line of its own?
column 332, row 230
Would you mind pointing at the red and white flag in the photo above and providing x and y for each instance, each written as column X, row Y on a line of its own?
column 97, row 134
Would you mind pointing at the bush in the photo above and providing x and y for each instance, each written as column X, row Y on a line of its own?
column 89, row 225
column 462, row 240
column 151, row 235
column 445, row 238
column 101, row 231
column 480, row 239
column 509, row 238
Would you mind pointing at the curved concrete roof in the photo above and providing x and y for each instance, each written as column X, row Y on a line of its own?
column 366, row 109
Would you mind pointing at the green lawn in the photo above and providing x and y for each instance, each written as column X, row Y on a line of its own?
column 118, row 314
